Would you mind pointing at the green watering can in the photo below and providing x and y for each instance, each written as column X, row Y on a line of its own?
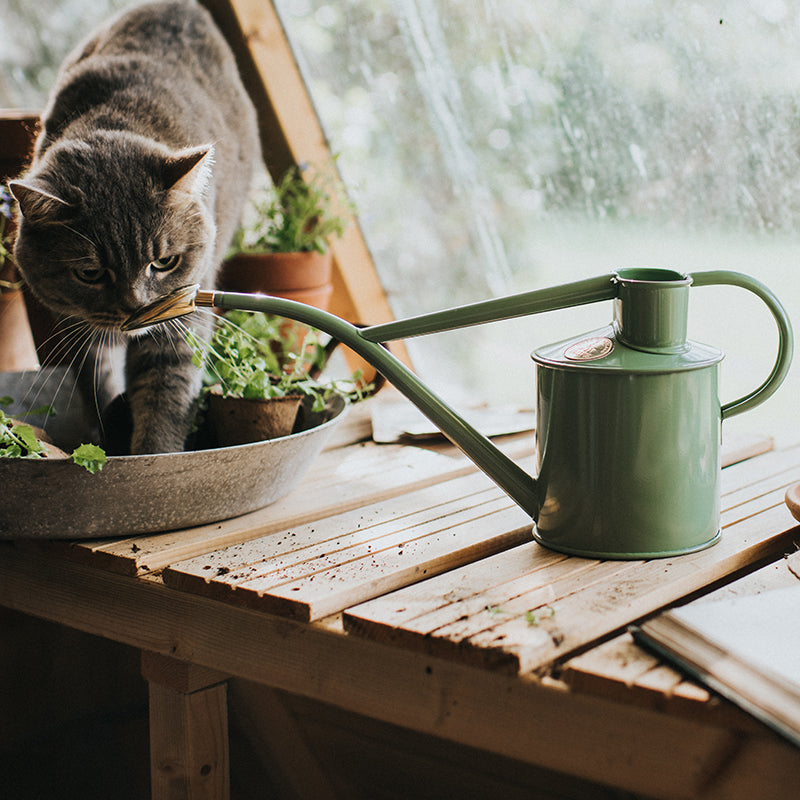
column 628, row 417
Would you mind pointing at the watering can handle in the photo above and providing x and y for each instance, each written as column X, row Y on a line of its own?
column 785, row 336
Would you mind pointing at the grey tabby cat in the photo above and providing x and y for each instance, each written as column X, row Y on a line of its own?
column 147, row 150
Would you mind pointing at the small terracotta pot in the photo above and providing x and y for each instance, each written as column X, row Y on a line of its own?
column 18, row 132
column 17, row 348
column 239, row 420
column 304, row 277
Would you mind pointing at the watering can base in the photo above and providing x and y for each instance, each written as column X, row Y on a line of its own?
column 624, row 556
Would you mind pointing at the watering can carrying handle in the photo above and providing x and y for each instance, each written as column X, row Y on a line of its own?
column 785, row 337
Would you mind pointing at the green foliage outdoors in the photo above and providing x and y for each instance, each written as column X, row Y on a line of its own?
column 467, row 130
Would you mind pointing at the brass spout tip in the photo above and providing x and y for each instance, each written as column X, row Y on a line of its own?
column 205, row 298
column 177, row 303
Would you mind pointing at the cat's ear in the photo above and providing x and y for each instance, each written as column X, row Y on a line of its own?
column 189, row 171
column 38, row 204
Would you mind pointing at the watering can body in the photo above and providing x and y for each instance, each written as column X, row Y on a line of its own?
column 628, row 448
column 628, row 417
column 629, row 429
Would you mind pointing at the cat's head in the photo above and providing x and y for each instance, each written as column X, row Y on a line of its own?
column 109, row 224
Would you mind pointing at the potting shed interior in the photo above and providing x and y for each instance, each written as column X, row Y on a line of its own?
column 390, row 628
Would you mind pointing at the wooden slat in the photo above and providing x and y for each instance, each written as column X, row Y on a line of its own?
column 307, row 572
column 448, row 620
column 738, row 447
column 619, row 669
column 291, row 134
column 746, row 473
column 304, row 550
column 339, row 480
column 610, row 669
column 470, row 630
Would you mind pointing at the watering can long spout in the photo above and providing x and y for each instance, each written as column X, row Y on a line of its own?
column 675, row 402
column 517, row 483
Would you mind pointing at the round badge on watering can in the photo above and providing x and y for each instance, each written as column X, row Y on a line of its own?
column 589, row 349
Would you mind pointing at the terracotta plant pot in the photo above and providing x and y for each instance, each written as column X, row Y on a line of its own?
column 304, row 277
column 17, row 348
column 239, row 420
column 17, row 351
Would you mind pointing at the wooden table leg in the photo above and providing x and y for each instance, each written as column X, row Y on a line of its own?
column 188, row 730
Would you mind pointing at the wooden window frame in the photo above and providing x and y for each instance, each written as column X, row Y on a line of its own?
column 291, row 133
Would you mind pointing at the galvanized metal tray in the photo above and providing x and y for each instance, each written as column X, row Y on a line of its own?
column 56, row 499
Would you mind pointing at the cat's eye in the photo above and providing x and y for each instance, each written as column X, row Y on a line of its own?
column 90, row 274
column 166, row 263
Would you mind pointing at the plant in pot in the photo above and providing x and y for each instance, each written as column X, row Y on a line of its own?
column 257, row 382
column 281, row 248
column 17, row 349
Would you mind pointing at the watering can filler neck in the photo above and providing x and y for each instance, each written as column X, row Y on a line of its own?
column 648, row 336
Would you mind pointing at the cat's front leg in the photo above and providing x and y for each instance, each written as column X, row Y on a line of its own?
column 162, row 388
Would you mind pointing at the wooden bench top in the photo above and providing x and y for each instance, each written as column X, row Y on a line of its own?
column 413, row 546
column 399, row 582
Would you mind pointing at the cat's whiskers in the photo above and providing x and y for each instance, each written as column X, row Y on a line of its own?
column 173, row 334
column 105, row 342
column 72, row 339
column 65, row 340
column 77, row 233
column 79, row 361
column 188, row 333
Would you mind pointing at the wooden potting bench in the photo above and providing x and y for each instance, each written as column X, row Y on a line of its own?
column 399, row 583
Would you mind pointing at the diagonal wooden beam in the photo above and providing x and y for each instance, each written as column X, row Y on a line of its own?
column 291, row 133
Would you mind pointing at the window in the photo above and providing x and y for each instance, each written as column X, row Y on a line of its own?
column 35, row 38
column 496, row 147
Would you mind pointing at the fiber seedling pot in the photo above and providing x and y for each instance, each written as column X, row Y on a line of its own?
column 240, row 420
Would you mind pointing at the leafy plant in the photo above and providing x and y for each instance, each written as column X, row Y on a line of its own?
column 18, row 440
column 297, row 214
column 250, row 355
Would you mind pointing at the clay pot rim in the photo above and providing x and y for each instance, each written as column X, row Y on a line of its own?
column 279, row 272
column 295, row 398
